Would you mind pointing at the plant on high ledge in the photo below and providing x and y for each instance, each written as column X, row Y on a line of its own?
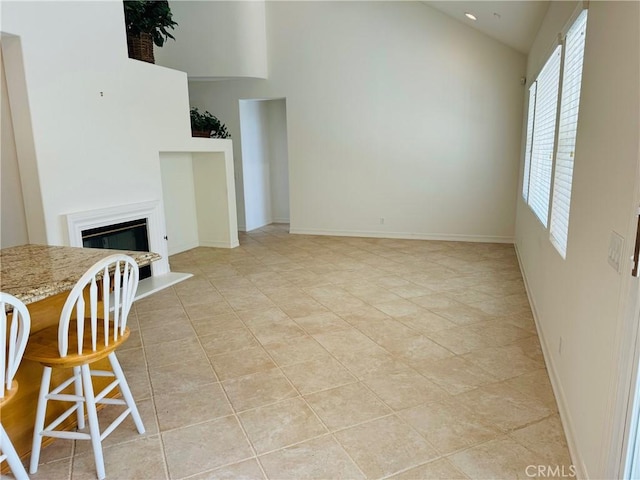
column 207, row 125
column 147, row 22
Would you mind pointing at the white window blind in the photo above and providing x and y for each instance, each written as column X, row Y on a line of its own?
column 567, row 128
column 527, row 150
column 543, row 139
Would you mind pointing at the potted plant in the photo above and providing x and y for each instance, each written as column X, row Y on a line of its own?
column 207, row 125
column 147, row 22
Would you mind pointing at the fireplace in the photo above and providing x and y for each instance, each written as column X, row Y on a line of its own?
column 132, row 235
column 137, row 227
column 122, row 228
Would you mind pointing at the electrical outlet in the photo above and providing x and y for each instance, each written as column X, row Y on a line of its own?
column 616, row 245
column 381, row 220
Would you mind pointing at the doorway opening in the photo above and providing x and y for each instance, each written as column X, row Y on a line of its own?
column 265, row 163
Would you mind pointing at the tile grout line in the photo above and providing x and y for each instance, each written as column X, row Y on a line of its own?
column 348, row 251
column 152, row 398
column 327, row 430
column 224, row 392
column 359, row 381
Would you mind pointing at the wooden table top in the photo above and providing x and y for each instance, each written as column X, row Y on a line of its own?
column 35, row 272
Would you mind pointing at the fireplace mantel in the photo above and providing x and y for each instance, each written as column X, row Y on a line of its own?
column 151, row 211
column 161, row 276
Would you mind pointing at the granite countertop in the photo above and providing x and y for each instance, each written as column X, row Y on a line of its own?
column 35, row 272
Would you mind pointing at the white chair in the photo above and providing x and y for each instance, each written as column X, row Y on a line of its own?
column 102, row 298
column 12, row 342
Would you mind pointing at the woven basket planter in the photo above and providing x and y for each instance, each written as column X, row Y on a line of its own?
column 200, row 133
column 141, row 47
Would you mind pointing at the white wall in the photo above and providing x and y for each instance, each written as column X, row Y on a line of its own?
column 215, row 195
column 178, row 191
column 255, row 164
column 97, row 116
column 13, row 230
column 394, row 110
column 18, row 100
column 217, row 39
column 581, row 300
column 278, row 160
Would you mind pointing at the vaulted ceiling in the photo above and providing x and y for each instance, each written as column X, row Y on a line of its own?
column 514, row 23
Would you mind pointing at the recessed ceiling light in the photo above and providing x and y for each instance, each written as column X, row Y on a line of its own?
column 470, row 16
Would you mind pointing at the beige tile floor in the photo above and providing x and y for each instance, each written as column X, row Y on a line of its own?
column 295, row 357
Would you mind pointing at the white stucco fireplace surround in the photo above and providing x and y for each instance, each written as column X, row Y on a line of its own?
column 161, row 276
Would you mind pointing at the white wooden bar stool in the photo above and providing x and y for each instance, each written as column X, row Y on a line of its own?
column 12, row 342
column 102, row 298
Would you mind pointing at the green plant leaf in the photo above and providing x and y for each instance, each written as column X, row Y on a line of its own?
column 149, row 16
column 208, row 122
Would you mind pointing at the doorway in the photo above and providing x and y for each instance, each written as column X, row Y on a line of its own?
column 265, row 163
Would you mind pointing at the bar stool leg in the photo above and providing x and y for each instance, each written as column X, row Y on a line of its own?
column 78, row 391
column 126, row 392
column 38, row 428
column 92, row 415
column 6, row 447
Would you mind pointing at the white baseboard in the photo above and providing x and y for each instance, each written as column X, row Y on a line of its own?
column 191, row 246
column 403, row 235
column 216, row 244
column 175, row 249
column 565, row 416
column 243, row 228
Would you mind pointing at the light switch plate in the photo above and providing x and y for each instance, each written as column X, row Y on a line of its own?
column 616, row 245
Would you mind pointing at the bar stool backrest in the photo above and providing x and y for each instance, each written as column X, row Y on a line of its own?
column 111, row 284
column 13, row 337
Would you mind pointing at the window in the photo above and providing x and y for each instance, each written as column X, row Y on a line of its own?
column 543, row 137
column 527, row 150
column 567, row 128
column 550, row 148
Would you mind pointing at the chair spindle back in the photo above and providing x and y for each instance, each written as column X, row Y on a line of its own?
column 14, row 340
column 116, row 277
